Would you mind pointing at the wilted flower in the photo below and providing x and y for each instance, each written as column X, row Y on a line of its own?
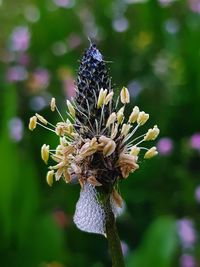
column 97, row 144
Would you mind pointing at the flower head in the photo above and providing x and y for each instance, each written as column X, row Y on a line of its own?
column 96, row 143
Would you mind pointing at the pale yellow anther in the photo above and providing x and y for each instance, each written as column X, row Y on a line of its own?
column 45, row 153
column 111, row 119
column 120, row 115
column 114, row 131
column 134, row 115
column 125, row 129
column 49, row 177
column 152, row 134
column 124, row 95
column 151, row 153
column 109, row 148
column 101, row 98
column 41, row 119
column 32, row 123
column 134, row 151
column 71, row 108
column 142, row 118
column 53, row 104
column 108, row 98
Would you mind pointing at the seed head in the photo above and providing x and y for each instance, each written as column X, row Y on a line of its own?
column 97, row 145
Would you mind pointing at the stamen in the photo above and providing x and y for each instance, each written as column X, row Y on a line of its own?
column 45, row 127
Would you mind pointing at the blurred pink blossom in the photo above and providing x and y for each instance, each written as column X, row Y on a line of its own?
column 20, row 39
column 197, row 194
column 186, row 232
column 64, row 3
column 16, row 73
column 125, row 248
column 39, row 79
column 195, row 141
column 194, row 5
column 166, row 2
column 165, row 146
column 16, row 129
column 187, row 260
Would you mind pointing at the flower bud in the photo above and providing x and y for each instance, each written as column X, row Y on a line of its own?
column 71, row 108
column 152, row 134
column 49, row 177
column 109, row 148
column 101, row 98
column 125, row 129
column 120, row 115
column 45, row 153
column 134, row 115
column 32, row 123
column 151, row 153
column 134, row 151
column 41, row 119
column 111, row 119
column 124, row 95
column 53, row 104
column 142, row 118
column 108, row 98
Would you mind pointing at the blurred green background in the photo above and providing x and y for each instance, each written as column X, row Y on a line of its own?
column 154, row 49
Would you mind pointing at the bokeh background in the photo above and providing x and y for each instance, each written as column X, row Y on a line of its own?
column 153, row 48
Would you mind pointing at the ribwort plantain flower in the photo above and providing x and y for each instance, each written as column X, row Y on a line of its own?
column 97, row 144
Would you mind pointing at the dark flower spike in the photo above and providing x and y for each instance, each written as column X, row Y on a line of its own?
column 92, row 77
column 97, row 144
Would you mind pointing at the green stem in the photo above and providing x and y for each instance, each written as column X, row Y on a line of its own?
column 113, row 238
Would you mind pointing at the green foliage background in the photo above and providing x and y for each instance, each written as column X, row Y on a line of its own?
column 159, row 53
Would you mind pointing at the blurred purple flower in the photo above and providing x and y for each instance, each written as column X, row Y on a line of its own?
column 187, row 260
column 165, row 146
column 166, row 3
column 195, row 141
column 73, row 41
column 197, row 194
column 194, row 5
column 20, row 39
column 24, row 59
column 16, row 73
column 172, row 26
column 186, row 232
column 16, row 129
column 38, row 80
column 37, row 103
column 135, row 87
column 125, row 248
column 64, row 3
column 120, row 24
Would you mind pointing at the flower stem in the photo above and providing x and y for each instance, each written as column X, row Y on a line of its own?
column 113, row 238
